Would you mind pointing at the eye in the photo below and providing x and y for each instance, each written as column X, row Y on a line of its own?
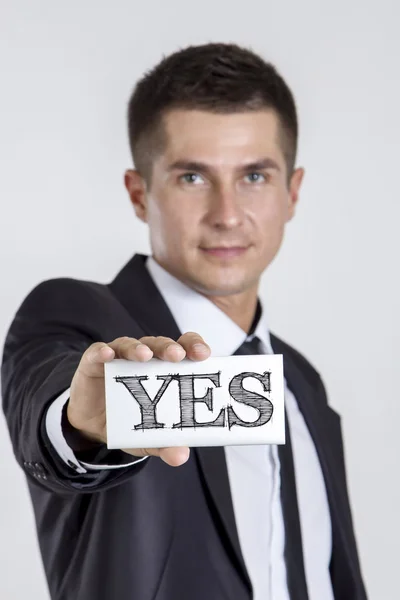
column 256, row 177
column 190, row 178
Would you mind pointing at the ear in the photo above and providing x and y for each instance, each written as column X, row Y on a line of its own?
column 136, row 187
column 294, row 189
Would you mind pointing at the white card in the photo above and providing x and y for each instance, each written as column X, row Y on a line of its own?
column 217, row 402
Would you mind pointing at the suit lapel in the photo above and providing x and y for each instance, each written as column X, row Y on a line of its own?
column 324, row 428
column 136, row 291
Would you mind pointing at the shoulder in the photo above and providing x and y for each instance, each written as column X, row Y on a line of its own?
column 55, row 294
column 77, row 308
column 64, row 306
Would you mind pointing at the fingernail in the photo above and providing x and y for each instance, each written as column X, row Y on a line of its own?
column 177, row 349
column 199, row 348
column 107, row 349
column 143, row 346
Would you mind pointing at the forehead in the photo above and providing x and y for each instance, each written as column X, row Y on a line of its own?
column 216, row 137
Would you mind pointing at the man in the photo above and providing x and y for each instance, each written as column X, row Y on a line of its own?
column 213, row 134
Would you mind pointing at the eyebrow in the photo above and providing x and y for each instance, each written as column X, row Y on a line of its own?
column 199, row 167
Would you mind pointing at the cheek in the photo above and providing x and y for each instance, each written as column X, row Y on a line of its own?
column 270, row 217
column 171, row 225
column 160, row 215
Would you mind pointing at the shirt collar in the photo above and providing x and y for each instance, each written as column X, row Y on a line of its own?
column 194, row 312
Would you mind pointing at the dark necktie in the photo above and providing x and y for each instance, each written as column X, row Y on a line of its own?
column 293, row 547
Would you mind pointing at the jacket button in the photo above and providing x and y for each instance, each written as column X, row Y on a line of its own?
column 40, row 468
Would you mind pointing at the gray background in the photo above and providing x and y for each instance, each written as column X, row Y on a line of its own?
column 67, row 70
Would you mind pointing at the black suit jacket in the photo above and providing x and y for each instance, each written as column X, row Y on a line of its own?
column 148, row 531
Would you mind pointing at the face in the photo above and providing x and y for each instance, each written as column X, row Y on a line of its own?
column 219, row 199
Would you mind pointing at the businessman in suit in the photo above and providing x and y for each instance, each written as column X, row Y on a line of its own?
column 213, row 134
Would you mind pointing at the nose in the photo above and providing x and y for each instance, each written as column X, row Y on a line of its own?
column 225, row 210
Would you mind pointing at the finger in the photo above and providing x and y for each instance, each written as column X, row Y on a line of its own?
column 131, row 349
column 165, row 348
column 93, row 359
column 194, row 345
column 174, row 457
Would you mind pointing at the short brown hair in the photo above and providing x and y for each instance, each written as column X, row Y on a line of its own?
column 217, row 77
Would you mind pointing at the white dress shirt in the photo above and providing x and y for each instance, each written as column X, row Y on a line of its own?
column 254, row 471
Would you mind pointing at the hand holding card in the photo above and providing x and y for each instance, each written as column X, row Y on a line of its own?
column 86, row 410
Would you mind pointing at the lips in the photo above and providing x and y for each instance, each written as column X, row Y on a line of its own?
column 225, row 252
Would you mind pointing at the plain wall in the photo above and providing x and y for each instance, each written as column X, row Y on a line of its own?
column 67, row 70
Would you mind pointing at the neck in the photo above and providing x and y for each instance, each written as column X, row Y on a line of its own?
column 240, row 308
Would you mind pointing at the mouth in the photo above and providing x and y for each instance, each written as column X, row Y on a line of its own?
column 225, row 252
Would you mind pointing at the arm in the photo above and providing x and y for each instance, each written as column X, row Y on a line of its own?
column 42, row 352
column 51, row 347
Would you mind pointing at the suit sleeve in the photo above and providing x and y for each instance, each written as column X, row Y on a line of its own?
column 55, row 430
column 52, row 328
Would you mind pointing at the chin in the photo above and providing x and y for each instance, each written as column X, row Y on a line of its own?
column 218, row 287
column 219, row 279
